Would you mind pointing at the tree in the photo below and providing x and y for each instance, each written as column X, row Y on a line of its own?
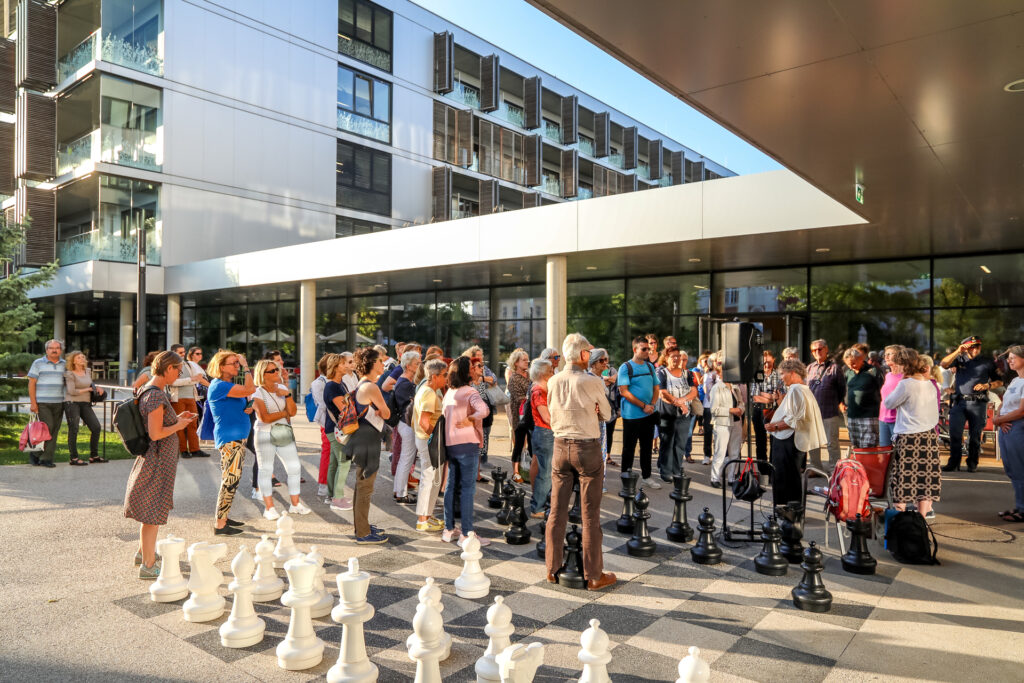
column 20, row 319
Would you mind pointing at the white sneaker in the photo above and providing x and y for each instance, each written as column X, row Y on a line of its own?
column 484, row 542
column 271, row 514
column 299, row 509
column 321, row 490
column 449, row 535
column 705, row 461
column 651, row 484
column 255, row 494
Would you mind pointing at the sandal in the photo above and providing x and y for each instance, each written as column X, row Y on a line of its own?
column 77, row 462
column 483, row 480
column 517, row 479
column 1012, row 516
column 98, row 458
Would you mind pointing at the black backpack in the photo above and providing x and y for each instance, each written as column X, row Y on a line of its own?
column 130, row 425
column 910, row 540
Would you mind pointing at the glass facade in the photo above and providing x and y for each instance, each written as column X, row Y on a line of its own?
column 363, row 179
column 364, row 105
column 364, row 32
column 93, row 323
column 124, row 32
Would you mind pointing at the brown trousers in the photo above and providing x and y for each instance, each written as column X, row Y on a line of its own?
column 585, row 458
column 188, row 438
column 361, row 502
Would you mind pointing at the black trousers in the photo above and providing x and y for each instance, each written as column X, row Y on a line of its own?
column 76, row 411
column 523, row 437
column 789, row 463
column 974, row 414
column 709, row 429
column 760, row 438
column 609, row 432
column 639, row 431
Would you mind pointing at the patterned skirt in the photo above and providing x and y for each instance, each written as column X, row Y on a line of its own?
column 916, row 473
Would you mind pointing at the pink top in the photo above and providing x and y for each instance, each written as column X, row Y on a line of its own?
column 456, row 405
column 884, row 414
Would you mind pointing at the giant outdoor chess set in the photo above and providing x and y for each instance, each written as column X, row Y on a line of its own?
column 418, row 603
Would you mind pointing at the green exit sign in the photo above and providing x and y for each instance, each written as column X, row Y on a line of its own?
column 858, row 193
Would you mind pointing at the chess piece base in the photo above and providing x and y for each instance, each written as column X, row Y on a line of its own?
column 624, row 527
column 242, row 633
column 571, row 580
column 268, row 595
column 322, row 608
column 769, row 567
column 679, row 533
column 517, row 537
column 494, row 503
column 171, row 592
column 542, row 548
column 641, row 548
column 360, row 672
column 298, row 656
column 793, row 553
column 206, row 610
column 862, row 566
column 812, row 602
column 709, row 557
column 473, row 592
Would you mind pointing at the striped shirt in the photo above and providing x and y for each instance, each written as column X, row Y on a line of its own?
column 49, row 380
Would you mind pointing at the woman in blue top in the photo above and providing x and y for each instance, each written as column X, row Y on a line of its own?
column 230, row 428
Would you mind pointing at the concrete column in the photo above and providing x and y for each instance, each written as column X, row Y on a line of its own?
column 494, row 360
column 60, row 318
column 307, row 334
column 173, row 320
column 557, row 290
column 127, row 337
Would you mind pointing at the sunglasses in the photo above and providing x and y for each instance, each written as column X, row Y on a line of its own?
column 270, row 371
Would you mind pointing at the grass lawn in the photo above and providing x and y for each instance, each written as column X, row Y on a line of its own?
column 11, row 426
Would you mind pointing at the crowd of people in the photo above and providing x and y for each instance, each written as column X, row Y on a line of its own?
column 434, row 415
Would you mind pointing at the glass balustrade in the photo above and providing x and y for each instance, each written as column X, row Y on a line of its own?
column 92, row 246
column 466, row 94
column 79, row 56
column 553, row 132
column 615, row 159
column 584, row 193
column 75, row 153
column 586, row 147
column 365, row 52
column 665, row 180
column 552, row 186
column 363, row 125
column 113, row 145
column 512, row 113
column 643, row 170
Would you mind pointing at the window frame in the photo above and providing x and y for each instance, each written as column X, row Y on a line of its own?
column 374, row 84
column 349, row 180
column 376, row 11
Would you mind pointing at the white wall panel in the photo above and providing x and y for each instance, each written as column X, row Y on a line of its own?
column 547, row 230
column 410, row 190
column 183, row 142
column 412, row 123
column 412, row 57
column 668, row 214
column 218, row 144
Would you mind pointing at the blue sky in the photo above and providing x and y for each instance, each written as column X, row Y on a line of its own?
column 534, row 37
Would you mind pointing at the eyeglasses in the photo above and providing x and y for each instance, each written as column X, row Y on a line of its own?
column 270, row 371
column 235, row 363
column 643, row 349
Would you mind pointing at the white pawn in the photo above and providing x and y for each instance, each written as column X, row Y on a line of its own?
column 243, row 628
column 594, row 655
column 498, row 629
column 432, row 594
column 205, row 603
column 326, row 602
column 300, row 649
column 472, row 583
column 170, row 585
column 285, row 549
column 693, row 669
column 425, row 646
column 267, row 585
column 519, row 663
column 352, row 612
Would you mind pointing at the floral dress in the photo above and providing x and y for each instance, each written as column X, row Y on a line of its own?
column 150, row 493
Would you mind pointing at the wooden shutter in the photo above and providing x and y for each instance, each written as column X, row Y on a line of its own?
column 488, row 191
column 441, row 186
column 532, row 100
column 656, row 158
column 444, row 62
column 41, row 234
column 628, row 182
column 630, row 141
column 7, row 184
column 440, row 131
column 534, row 160
column 464, row 141
column 8, row 91
column 486, row 146
column 698, row 171
column 531, row 200
column 570, row 119
column 675, row 160
column 490, row 83
column 35, row 154
column 602, row 134
column 570, row 171
column 36, row 65
column 600, row 181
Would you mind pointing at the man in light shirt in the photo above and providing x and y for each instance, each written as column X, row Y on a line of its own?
column 578, row 404
column 46, row 396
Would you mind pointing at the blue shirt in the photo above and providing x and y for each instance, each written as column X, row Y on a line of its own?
column 332, row 390
column 230, row 423
column 49, row 380
column 970, row 371
column 641, row 386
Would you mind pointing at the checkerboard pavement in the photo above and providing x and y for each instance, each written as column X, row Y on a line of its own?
column 744, row 623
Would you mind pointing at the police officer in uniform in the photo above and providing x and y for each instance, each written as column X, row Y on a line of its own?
column 975, row 376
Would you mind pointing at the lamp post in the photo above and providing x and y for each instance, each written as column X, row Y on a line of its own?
column 140, row 304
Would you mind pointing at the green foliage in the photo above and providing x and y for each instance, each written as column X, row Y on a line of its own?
column 12, row 424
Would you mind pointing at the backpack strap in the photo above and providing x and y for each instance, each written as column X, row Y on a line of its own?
column 935, row 545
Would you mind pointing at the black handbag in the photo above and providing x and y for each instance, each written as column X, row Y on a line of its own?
column 95, row 396
column 747, row 486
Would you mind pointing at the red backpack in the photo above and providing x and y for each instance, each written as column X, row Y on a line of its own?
column 848, row 491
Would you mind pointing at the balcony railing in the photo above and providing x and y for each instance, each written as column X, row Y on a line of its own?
column 82, row 54
column 113, row 145
column 643, row 170
column 466, row 94
column 110, row 49
column 586, row 147
column 75, row 153
column 365, row 52
column 584, row 192
column 552, row 131
column 552, row 186
column 363, row 125
column 512, row 113
column 92, row 246
column 665, row 180
column 615, row 159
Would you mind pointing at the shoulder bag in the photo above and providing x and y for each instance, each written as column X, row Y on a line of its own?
column 280, row 434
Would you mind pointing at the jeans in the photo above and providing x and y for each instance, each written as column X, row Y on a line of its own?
column 639, row 431
column 975, row 414
column 543, row 447
column 462, row 465
column 406, row 460
column 76, row 411
column 709, row 428
column 674, row 435
column 1011, row 448
column 885, row 433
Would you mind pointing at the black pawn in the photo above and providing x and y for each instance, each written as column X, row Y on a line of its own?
column 706, row 551
column 680, row 530
column 575, row 512
column 495, row 501
column 629, row 481
column 810, row 594
column 770, row 561
column 508, row 493
column 517, row 533
column 571, row 573
column 542, row 544
column 857, row 560
column 641, row 545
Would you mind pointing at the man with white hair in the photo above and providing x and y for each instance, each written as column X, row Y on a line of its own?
column 46, row 394
column 577, row 404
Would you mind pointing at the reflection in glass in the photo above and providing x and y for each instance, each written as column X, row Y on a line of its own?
column 877, row 329
column 992, row 280
column 899, row 284
column 98, row 218
column 676, row 295
column 760, row 291
column 998, row 327
column 132, row 34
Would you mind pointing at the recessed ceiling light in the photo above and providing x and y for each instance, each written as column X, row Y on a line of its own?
column 822, row 250
column 591, row 267
column 436, row 280
column 694, row 260
column 1015, row 86
column 699, row 287
column 506, row 274
column 985, row 270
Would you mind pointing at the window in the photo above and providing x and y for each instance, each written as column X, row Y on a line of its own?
column 364, row 105
column 732, row 297
column 131, row 34
column 501, row 151
column 363, row 179
column 364, row 32
column 346, row 227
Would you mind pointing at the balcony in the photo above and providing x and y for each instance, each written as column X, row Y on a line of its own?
column 111, row 49
column 363, row 125
column 551, row 185
column 615, row 159
column 92, row 246
column 553, row 132
column 364, row 52
column 665, row 180
column 586, row 146
column 643, row 170
column 512, row 113
column 465, row 94
column 82, row 54
column 584, row 193
column 113, row 145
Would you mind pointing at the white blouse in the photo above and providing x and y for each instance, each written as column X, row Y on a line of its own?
column 917, row 409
